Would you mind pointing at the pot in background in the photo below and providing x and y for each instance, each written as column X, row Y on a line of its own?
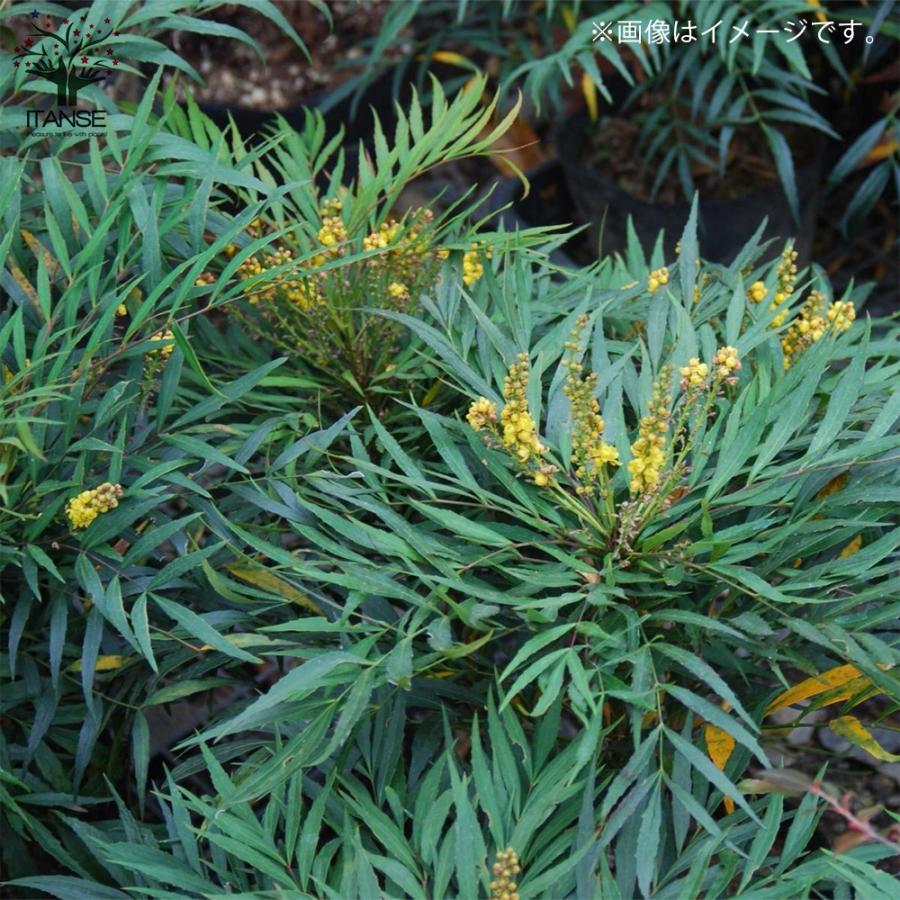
column 724, row 222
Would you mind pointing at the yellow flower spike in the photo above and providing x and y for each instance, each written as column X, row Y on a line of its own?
column 164, row 352
column 812, row 322
column 694, row 374
column 473, row 267
column 757, row 292
column 589, row 452
column 398, row 291
column 518, row 429
column 658, row 277
column 481, row 412
column 786, row 278
column 506, row 867
column 602, row 454
column 331, row 207
column 332, row 231
column 648, row 451
column 121, row 310
column 83, row 508
column 841, row 316
column 726, row 363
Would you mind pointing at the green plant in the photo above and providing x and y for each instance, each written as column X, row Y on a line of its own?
column 668, row 643
column 438, row 825
column 328, row 255
column 438, row 583
column 434, row 665
column 109, row 445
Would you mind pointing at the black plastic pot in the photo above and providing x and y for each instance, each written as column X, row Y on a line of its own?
column 724, row 224
column 547, row 203
column 356, row 119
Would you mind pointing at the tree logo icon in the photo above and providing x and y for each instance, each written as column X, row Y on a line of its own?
column 72, row 55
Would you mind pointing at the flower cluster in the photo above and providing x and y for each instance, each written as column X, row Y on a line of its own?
column 786, row 273
column 332, row 231
column 648, row 451
column 519, row 431
column 398, row 294
column 311, row 297
column 590, row 453
column 757, row 292
column 812, row 322
column 406, row 252
column 841, row 315
column 382, row 237
column 482, row 413
column 83, row 508
column 726, row 363
column 162, row 343
column 658, row 277
column 295, row 287
column 786, row 278
column 473, row 264
column 204, row 279
column 162, row 353
column 694, row 374
column 331, row 236
column 506, row 867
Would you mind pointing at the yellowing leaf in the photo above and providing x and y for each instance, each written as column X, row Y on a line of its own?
column 884, row 148
column 859, row 689
column 104, row 663
column 240, row 640
column 838, row 483
column 267, row 581
column 24, row 283
column 459, row 650
column 41, row 252
column 720, row 746
column 817, row 685
column 851, row 548
column 589, row 89
column 850, row 728
column 428, row 399
column 453, row 59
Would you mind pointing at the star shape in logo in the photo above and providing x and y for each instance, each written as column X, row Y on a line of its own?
column 35, row 14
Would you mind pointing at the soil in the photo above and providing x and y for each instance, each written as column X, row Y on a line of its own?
column 234, row 75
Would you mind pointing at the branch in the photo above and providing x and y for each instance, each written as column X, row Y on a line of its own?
column 842, row 807
column 29, row 52
column 90, row 77
column 97, row 39
column 53, row 34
